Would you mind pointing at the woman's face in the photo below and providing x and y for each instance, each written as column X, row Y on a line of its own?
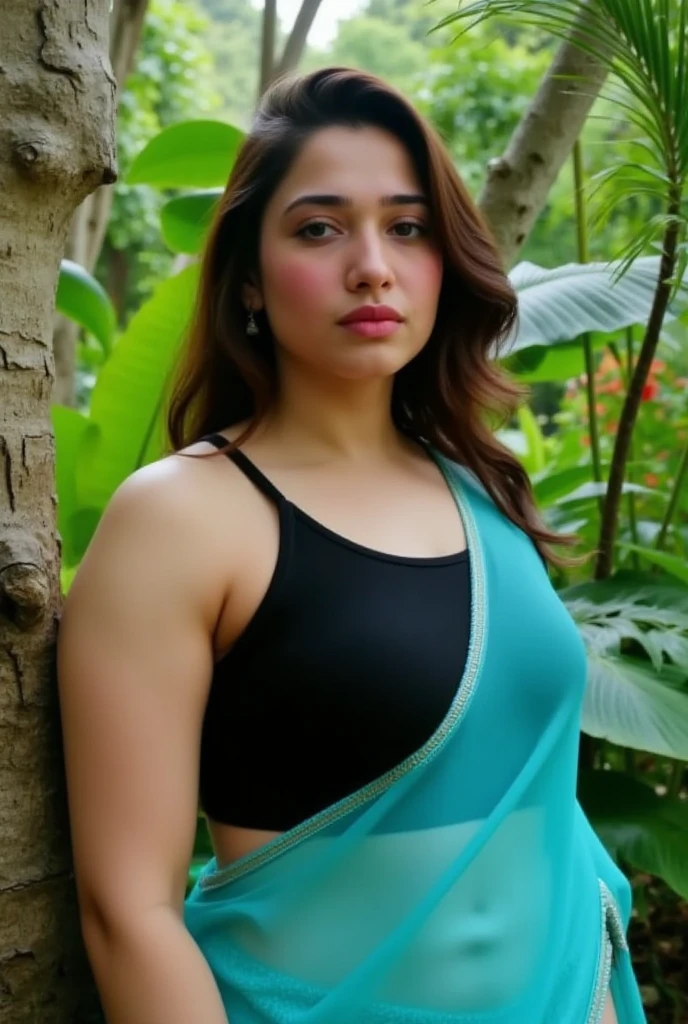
column 349, row 227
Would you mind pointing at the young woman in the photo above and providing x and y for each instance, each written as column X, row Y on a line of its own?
column 328, row 614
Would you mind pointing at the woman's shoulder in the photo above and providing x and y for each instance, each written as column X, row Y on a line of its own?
column 178, row 512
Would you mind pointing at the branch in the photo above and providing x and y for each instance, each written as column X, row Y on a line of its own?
column 267, row 54
column 298, row 36
column 631, row 406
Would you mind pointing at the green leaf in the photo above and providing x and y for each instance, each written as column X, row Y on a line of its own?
column 186, row 219
column 81, row 298
column 128, row 396
column 537, row 364
column 549, row 487
column 674, row 565
column 535, row 458
column 70, row 428
column 559, row 305
column 190, row 154
column 594, row 489
column 638, row 827
column 628, row 701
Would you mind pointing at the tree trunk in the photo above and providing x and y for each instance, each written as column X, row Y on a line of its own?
column 89, row 224
column 298, row 36
column 272, row 67
column 519, row 182
column 57, row 96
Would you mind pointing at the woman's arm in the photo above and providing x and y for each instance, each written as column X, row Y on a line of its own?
column 134, row 665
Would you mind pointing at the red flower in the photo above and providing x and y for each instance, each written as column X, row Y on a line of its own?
column 650, row 390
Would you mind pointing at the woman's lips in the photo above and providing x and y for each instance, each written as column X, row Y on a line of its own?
column 373, row 328
column 372, row 321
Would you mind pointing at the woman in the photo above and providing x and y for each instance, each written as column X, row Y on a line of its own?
column 343, row 635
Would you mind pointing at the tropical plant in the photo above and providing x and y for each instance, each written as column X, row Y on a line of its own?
column 644, row 43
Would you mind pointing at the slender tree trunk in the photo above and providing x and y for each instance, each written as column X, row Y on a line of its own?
column 89, row 224
column 519, row 182
column 57, row 97
column 272, row 66
column 629, row 413
column 298, row 36
column 267, row 45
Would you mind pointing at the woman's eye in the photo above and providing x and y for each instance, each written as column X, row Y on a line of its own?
column 410, row 229
column 315, row 230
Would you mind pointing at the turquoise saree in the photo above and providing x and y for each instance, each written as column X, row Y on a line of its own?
column 465, row 886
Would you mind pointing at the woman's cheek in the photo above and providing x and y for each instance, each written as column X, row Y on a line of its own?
column 306, row 285
column 426, row 278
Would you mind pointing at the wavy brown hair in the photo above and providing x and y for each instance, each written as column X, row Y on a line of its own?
column 453, row 394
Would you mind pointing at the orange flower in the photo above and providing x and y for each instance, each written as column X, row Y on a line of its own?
column 611, row 428
column 651, row 479
column 612, row 387
column 657, row 366
column 585, row 441
column 600, row 409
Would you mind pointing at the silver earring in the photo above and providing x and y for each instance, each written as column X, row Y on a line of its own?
column 252, row 327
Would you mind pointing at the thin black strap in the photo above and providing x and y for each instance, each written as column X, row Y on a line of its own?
column 247, row 467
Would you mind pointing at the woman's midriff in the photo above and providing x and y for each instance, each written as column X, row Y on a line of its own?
column 230, row 843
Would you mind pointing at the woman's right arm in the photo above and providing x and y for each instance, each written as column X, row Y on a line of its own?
column 134, row 665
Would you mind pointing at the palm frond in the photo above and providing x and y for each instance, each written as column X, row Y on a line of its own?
column 643, row 44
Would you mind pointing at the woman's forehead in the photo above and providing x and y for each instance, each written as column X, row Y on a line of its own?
column 364, row 163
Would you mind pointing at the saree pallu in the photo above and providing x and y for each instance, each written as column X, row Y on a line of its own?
column 465, row 886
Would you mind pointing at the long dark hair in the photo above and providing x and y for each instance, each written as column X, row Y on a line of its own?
column 452, row 394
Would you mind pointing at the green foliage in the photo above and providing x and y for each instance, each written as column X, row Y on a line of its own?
column 185, row 221
column 645, row 45
column 631, row 635
column 385, row 48
column 559, row 305
column 171, row 80
column 638, row 826
column 232, row 38
column 476, row 90
column 195, row 154
column 125, row 423
column 84, row 300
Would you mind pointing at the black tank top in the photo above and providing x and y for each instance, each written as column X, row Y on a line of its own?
column 348, row 666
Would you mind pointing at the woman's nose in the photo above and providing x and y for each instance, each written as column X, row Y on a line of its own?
column 369, row 267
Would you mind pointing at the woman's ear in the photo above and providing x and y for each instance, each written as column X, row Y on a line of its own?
column 251, row 296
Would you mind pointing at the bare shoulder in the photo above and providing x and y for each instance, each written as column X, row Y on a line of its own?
column 178, row 512
column 135, row 660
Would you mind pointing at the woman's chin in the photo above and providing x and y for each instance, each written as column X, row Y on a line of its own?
column 374, row 362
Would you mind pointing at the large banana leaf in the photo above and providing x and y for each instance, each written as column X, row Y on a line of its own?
column 126, row 401
column 70, row 428
column 190, row 154
column 632, row 702
column 638, row 827
column 559, row 305
column 185, row 220
column 83, row 299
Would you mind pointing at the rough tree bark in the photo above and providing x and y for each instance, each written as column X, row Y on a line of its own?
column 57, row 103
column 519, row 182
column 89, row 224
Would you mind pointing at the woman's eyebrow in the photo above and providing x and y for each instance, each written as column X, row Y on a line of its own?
column 398, row 199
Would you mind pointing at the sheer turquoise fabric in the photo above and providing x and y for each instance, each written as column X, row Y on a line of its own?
column 466, row 885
